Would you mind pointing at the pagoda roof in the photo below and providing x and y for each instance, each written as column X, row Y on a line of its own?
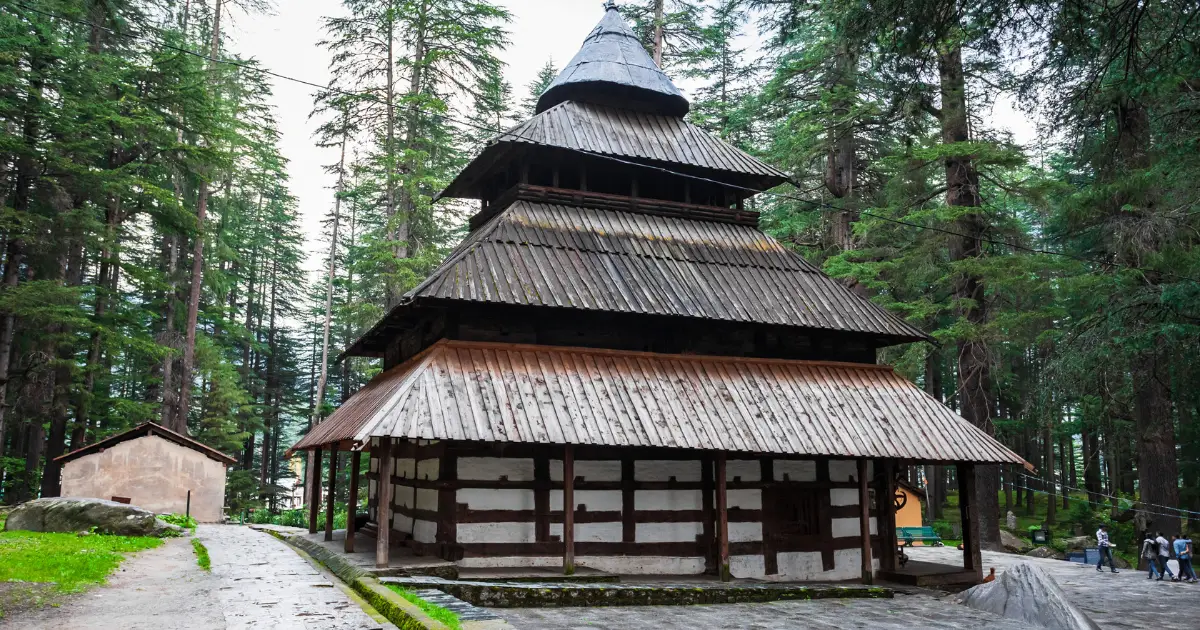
column 653, row 139
column 570, row 257
column 612, row 67
column 534, row 394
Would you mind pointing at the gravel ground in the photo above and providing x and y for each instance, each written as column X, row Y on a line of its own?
column 256, row 582
column 158, row 589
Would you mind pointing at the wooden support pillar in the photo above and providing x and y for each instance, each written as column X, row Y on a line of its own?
column 352, row 499
column 885, row 515
column 968, row 505
column 864, row 522
column 314, row 485
column 569, row 509
column 710, row 515
column 331, row 495
column 722, row 520
column 383, row 510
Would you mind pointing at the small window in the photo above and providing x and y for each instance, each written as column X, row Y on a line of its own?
column 121, row 500
column 797, row 513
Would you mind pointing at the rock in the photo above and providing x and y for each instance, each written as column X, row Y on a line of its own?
column 73, row 514
column 1028, row 594
column 1046, row 552
column 1079, row 543
column 1013, row 543
column 1011, row 520
column 1121, row 563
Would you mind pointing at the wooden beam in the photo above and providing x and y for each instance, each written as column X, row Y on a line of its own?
column 314, row 484
column 770, row 519
column 709, row 514
column 885, row 515
column 569, row 509
column 628, row 484
column 968, row 505
column 383, row 510
column 541, row 498
column 722, row 520
column 332, row 494
column 864, row 521
column 352, row 499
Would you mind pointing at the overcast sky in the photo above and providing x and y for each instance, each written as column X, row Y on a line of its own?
column 286, row 43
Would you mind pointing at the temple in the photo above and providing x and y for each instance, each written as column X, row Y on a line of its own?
column 616, row 337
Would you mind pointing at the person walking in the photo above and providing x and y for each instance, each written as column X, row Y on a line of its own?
column 1105, row 549
column 1164, row 554
column 1183, row 548
column 1150, row 554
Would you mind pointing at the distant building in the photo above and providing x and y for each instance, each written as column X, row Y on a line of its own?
column 616, row 336
column 153, row 468
column 911, row 502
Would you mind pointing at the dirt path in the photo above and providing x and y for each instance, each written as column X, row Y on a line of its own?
column 256, row 582
column 159, row 589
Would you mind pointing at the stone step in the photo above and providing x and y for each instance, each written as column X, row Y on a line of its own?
column 554, row 594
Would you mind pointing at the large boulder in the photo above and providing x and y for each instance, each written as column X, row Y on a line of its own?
column 71, row 514
column 1013, row 543
column 1046, row 552
column 1079, row 543
column 1028, row 594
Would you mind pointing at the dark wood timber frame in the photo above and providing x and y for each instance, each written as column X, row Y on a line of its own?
column 569, row 509
column 331, row 495
column 314, row 488
column 352, row 499
column 722, row 520
column 714, row 515
column 886, row 514
column 864, row 504
column 384, row 509
column 968, row 505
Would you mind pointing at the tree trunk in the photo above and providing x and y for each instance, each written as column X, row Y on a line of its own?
column 1090, row 444
column 658, row 32
column 319, row 396
column 1048, row 472
column 197, row 276
column 934, row 489
column 974, row 367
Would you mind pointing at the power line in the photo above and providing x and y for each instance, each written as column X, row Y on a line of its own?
column 1103, row 505
column 814, row 205
column 1109, row 496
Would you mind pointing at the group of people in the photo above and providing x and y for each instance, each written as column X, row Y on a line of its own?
column 1156, row 550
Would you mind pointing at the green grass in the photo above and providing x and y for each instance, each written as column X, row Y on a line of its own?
column 437, row 613
column 185, row 522
column 69, row 561
column 202, row 558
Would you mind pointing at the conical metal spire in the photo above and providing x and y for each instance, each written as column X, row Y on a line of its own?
column 613, row 69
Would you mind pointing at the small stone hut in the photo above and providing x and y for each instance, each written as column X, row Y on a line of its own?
column 617, row 368
column 153, row 468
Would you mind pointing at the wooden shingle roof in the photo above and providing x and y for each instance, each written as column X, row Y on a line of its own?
column 612, row 66
column 495, row 392
column 600, row 130
column 549, row 255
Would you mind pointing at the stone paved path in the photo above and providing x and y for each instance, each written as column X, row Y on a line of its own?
column 256, row 582
column 906, row 612
column 1124, row 600
column 264, row 584
column 1116, row 602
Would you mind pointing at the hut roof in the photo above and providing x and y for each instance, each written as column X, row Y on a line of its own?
column 495, row 392
column 612, row 67
column 667, row 141
column 142, row 430
column 549, row 255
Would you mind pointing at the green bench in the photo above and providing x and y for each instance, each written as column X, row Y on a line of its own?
column 910, row 535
